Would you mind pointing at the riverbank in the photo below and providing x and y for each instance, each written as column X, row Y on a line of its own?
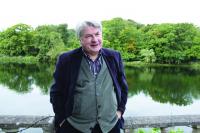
column 35, row 60
column 194, row 65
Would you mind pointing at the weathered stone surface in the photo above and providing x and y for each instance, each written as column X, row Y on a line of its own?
column 162, row 121
column 46, row 122
column 11, row 122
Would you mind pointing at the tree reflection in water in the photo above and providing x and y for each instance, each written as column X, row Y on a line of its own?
column 20, row 77
column 174, row 85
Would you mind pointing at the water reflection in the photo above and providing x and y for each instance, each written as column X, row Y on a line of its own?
column 174, row 85
column 20, row 77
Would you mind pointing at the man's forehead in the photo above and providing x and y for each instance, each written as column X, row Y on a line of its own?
column 91, row 30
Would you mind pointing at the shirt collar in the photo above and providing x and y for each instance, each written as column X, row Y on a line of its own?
column 88, row 57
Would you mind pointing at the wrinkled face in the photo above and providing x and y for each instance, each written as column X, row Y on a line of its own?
column 91, row 40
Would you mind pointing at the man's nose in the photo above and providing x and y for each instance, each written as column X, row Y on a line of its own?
column 94, row 39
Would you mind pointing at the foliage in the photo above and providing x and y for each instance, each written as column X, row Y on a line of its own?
column 47, row 40
column 17, row 41
column 62, row 29
column 157, row 130
column 157, row 43
column 171, row 42
column 176, row 131
column 122, row 35
column 148, row 55
column 73, row 42
column 19, row 59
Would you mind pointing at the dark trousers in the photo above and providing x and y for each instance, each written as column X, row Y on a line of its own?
column 67, row 128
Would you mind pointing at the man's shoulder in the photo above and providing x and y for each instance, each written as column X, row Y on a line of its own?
column 110, row 52
column 70, row 53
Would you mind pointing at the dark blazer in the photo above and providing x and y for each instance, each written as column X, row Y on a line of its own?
column 65, row 76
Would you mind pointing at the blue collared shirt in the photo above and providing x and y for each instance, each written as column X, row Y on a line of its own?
column 95, row 66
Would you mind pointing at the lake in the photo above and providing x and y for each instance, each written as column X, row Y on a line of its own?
column 24, row 90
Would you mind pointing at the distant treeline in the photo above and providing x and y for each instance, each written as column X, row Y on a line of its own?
column 160, row 43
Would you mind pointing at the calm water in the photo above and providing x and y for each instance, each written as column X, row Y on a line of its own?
column 163, row 91
column 24, row 90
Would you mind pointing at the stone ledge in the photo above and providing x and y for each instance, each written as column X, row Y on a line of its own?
column 14, row 122
column 161, row 121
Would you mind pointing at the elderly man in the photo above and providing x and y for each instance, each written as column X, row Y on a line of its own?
column 89, row 93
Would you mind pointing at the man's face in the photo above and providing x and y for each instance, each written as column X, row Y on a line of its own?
column 91, row 40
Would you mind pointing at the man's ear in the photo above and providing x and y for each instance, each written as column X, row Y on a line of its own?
column 80, row 41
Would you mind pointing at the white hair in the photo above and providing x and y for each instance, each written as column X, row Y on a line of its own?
column 81, row 26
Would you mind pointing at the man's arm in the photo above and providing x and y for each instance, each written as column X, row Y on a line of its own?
column 123, row 85
column 56, row 92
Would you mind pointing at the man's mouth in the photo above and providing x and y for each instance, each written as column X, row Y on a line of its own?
column 93, row 45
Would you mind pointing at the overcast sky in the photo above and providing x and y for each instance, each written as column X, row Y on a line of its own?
column 39, row 12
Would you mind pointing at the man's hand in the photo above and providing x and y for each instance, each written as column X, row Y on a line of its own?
column 119, row 114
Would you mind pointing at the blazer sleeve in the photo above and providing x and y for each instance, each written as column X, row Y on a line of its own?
column 123, row 84
column 56, row 92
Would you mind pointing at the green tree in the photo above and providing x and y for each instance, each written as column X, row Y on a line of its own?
column 122, row 35
column 49, row 42
column 73, row 42
column 17, row 41
column 148, row 55
column 170, row 41
column 194, row 52
column 62, row 29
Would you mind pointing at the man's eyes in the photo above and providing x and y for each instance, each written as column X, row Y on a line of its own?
column 98, row 34
column 88, row 36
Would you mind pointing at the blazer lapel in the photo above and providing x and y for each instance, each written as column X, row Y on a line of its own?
column 109, row 59
column 75, row 65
